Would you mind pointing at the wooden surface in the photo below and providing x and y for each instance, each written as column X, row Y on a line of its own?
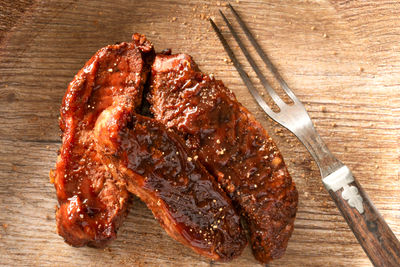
column 372, row 232
column 342, row 58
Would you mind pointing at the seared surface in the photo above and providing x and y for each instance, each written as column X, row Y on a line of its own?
column 232, row 145
column 158, row 167
column 91, row 203
column 108, row 149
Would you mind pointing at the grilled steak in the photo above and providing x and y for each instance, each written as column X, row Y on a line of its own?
column 202, row 160
column 92, row 203
column 157, row 166
column 232, row 145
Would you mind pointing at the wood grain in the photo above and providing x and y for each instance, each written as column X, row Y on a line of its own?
column 341, row 58
column 11, row 12
column 374, row 235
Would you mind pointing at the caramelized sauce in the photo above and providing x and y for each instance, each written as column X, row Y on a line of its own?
column 232, row 145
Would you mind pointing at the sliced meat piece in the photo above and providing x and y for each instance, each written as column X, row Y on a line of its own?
column 156, row 166
column 232, row 145
column 91, row 203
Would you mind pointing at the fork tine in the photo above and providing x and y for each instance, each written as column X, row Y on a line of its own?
column 263, row 56
column 242, row 73
column 250, row 59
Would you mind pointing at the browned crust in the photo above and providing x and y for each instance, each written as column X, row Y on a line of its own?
column 232, row 145
column 92, row 204
column 157, row 166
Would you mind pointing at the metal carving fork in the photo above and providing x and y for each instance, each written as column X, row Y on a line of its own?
column 372, row 232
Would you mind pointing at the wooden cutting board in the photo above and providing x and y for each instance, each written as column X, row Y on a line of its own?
column 340, row 57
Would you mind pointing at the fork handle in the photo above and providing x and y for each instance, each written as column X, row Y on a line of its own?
column 369, row 227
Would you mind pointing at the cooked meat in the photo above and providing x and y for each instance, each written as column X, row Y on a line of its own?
column 201, row 160
column 91, row 203
column 232, row 145
column 157, row 166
